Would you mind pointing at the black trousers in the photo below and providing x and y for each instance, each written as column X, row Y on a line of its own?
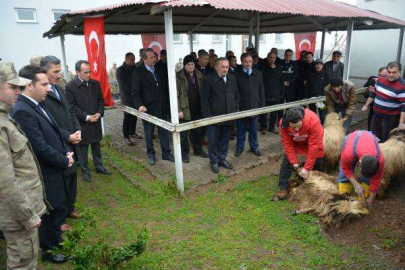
column 274, row 117
column 286, row 170
column 129, row 124
column 381, row 126
column 218, row 136
column 50, row 234
column 370, row 116
column 195, row 136
column 149, row 129
column 96, row 153
column 71, row 185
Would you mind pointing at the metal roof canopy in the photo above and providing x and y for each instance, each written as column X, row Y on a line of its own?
column 222, row 17
column 226, row 17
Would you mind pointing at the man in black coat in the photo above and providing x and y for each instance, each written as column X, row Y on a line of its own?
column 85, row 97
column 334, row 67
column 150, row 96
column 69, row 128
column 53, row 154
column 251, row 96
column 274, row 92
column 124, row 78
column 315, row 87
column 219, row 95
column 305, row 67
column 202, row 63
column 290, row 72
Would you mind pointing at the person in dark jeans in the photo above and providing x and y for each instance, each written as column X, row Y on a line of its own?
column 301, row 134
column 274, row 91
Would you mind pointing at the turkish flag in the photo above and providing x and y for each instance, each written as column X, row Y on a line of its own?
column 156, row 42
column 304, row 41
column 95, row 45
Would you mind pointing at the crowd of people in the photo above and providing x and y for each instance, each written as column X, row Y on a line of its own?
column 47, row 126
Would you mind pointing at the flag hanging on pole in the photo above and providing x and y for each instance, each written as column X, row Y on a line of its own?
column 304, row 41
column 156, row 42
column 95, row 46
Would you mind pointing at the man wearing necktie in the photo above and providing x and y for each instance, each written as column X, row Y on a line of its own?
column 251, row 94
column 53, row 155
column 219, row 95
column 69, row 128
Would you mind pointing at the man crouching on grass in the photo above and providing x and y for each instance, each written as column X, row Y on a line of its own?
column 301, row 134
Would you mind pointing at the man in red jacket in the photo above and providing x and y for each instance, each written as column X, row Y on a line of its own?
column 361, row 147
column 301, row 134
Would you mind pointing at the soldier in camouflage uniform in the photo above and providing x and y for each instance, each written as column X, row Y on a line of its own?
column 21, row 188
column 112, row 78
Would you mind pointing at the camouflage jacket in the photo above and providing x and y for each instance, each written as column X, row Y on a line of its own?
column 22, row 193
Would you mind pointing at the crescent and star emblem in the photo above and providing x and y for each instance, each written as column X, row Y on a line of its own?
column 93, row 35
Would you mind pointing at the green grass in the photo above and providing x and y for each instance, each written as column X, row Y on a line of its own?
column 232, row 227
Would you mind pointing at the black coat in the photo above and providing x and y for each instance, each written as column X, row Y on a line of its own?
column 124, row 75
column 86, row 100
column 66, row 120
column 316, row 84
column 290, row 72
column 208, row 68
column 218, row 97
column 48, row 146
column 273, row 81
column 148, row 92
column 251, row 89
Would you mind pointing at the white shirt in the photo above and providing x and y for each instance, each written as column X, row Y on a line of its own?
column 221, row 77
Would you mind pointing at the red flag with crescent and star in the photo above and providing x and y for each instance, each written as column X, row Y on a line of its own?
column 95, row 45
column 156, row 42
column 304, row 41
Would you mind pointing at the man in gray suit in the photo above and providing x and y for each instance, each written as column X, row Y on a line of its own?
column 334, row 67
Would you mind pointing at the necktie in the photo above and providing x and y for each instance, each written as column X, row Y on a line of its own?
column 248, row 71
column 203, row 70
column 55, row 92
column 44, row 112
column 223, row 78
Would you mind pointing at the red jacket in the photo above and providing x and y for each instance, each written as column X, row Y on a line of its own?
column 308, row 141
column 366, row 146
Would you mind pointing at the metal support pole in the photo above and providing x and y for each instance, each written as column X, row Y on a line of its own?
column 191, row 41
column 346, row 71
column 323, row 44
column 168, row 14
column 400, row 42
column 62, row 45
column 257, row 40
column 250, row 32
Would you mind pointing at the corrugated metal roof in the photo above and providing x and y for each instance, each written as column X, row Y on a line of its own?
column 276, row 16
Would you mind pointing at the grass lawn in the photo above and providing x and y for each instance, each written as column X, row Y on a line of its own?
column 228, row 225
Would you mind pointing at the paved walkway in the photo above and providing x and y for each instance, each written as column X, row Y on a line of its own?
column 198, row 171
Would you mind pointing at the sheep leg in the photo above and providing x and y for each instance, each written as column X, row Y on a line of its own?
column 302, row 211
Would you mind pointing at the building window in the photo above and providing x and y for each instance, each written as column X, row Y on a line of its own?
column 57, row 13
column 177, row 38
column 26, row 15
column 262, row 38
column 279, row 38
column 217, row 38
column 195, row 38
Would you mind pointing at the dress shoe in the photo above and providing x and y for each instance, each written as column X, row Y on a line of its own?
column 135, row 136
column 103, row 171
column 282, row 194
column 205, row 142
column 169, row 157
column 202, row 154
column 263, row 131
column 74, row 215
column 226, row 165
column 66, row 227
column 214, row 168
column 57, row 258
column 238, row 152
column 86, row 176
column 185, row 158
column 128, row 142
column 256, row 152
column 274, row 131
column 151, row 160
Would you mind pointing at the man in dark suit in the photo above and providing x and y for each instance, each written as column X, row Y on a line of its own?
column 69, row 128
column 219, row 95
column 53, row 154
column 202, row 63
column 334, row 67
column 151, row 96
column 85, row 97
column 124, row 77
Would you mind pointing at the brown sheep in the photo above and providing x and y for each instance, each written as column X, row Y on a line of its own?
column 394, row 158
column 319, row 194
column 333, row 137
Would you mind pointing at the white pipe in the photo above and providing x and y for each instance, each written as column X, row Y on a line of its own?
column 62, row 45
column 323, row 44
column 346, row 71
column 191, row 41
column 168, row 14
column 400, row 42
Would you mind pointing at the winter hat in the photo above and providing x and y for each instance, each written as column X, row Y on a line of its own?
column 188, row 59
